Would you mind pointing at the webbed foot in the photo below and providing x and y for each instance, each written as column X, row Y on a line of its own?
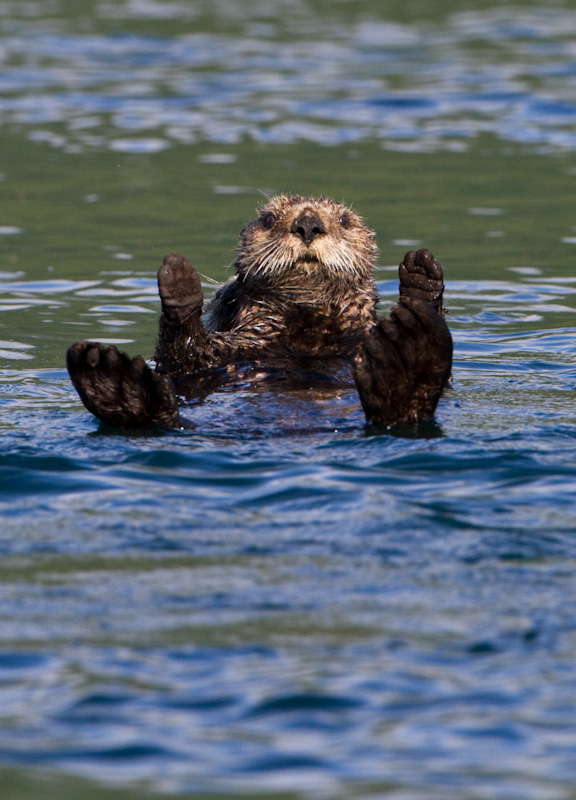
column 404, row 364
column 122, row 392
column 421, row 276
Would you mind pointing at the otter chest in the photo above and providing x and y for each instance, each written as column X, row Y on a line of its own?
column 310, row 331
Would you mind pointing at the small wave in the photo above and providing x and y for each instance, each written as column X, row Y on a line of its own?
column 223, row 87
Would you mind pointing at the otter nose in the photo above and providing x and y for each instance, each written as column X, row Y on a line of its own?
column 308, row 226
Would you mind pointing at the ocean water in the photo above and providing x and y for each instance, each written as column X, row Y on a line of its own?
column 281, row 603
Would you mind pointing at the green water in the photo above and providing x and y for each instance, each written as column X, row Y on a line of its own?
column 293, row 607
column 99, row 216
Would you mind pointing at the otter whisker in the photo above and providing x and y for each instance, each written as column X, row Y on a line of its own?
column 303, row 295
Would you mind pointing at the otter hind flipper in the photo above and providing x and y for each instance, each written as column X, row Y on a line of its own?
column 404, row 365
column 120, row 391
column 422, row 276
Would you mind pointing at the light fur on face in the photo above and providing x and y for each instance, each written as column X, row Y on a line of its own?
column 270, row 251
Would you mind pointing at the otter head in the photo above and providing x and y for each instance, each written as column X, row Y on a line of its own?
column 299, row 241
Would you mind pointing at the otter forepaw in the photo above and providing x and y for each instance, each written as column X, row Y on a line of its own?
column 404, row 365
column 122, row 392
column 421, row 276
column 180, row 291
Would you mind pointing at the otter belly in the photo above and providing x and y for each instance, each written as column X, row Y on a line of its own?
column 290, row 376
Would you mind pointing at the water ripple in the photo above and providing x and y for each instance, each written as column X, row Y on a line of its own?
column 508, row 74
column 296, row 606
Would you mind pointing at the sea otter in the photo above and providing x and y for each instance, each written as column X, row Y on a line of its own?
column 302, row 304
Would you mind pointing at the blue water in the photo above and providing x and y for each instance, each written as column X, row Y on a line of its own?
column 279, row 602
column 323, row 75
column 298, row 604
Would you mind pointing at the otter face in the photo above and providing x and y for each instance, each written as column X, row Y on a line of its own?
column 316, row 239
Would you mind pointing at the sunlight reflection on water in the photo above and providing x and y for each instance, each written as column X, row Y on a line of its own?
column 508, row 73
column 279, row 599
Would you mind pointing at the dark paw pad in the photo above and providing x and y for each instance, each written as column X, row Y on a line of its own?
column 404, row 365
column 180, row 290
column 121, row 391
column 421, row 276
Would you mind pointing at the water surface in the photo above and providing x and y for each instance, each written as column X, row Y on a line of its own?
column 281, row 603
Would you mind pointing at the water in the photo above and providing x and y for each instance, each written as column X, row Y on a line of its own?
column 290, row 607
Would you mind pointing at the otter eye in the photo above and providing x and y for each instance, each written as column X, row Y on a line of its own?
column 268, row 221
column 344, row 221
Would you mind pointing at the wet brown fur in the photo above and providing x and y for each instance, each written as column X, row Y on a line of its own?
column 303, row 297
column 288, row 299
